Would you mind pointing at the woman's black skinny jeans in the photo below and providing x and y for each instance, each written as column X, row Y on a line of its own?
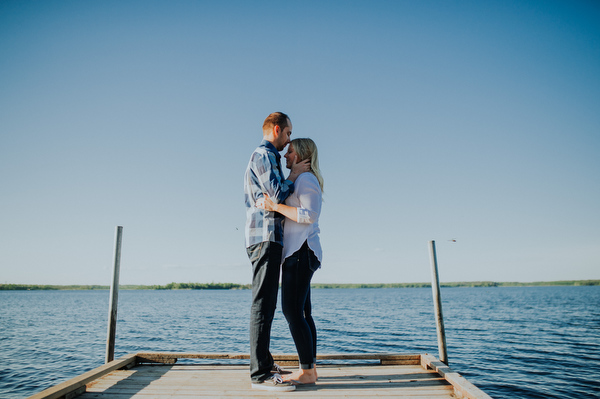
column 297, row 272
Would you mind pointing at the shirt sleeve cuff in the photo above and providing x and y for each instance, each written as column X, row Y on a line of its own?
column 303, row 215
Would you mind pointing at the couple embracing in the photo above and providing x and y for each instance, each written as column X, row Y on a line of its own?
column 282, row 238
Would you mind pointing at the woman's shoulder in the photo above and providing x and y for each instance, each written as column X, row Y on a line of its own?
column 307, row 177
column 307, row 181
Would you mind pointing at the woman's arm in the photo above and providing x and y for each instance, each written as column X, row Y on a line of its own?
column 267, row 204
column 309, row 195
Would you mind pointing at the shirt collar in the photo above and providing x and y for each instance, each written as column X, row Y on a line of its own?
column 267, row 144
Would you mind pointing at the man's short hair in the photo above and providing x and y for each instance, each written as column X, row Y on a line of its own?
column 276, row 119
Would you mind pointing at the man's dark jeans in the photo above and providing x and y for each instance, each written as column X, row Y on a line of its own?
column 266, row 259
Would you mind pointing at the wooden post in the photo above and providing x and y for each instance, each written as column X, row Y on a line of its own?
column 114, row 298
column 437, row 304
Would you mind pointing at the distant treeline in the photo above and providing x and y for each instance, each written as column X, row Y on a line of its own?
column 231, row 286
column 198, row 286
column 35, row 287
column 171, row 286
column 461, row 284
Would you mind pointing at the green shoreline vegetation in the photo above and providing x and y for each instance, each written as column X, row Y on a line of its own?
column 231, row 286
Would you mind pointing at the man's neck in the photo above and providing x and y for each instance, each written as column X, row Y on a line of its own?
column 270, row 138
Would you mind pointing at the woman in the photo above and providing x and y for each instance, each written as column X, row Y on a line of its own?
column 302, row 255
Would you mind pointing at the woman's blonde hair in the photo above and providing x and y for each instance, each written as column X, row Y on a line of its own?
column 307, row 149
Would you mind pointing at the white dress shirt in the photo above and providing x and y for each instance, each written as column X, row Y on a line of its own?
column 307, row 198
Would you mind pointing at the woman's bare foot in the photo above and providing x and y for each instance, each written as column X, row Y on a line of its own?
column 302, row 376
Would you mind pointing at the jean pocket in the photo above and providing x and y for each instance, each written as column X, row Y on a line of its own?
column 313, row 261
column 254, row 252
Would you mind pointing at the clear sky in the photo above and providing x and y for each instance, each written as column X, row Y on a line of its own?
column 475, row 121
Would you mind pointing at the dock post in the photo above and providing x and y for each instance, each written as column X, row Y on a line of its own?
column 437, row 303
column 114, row 298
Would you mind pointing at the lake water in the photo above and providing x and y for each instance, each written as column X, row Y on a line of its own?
column 512, row 342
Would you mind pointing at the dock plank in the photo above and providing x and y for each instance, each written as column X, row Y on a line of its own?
column 335, row 381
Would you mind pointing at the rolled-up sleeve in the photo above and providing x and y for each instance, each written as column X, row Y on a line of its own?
column 309, row 195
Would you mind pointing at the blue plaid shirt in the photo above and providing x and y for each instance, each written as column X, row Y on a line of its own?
column 264, row 175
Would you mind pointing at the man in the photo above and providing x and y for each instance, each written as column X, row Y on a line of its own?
column 264, row 243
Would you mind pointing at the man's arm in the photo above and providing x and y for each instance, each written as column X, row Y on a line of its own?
column 270, row 178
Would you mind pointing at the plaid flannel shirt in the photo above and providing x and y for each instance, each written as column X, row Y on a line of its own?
column 264, row 175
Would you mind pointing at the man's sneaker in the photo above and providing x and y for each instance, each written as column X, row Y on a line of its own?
column 278, row 370
column 274, row 383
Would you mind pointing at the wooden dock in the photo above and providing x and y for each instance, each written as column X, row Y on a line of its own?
column 157, row 375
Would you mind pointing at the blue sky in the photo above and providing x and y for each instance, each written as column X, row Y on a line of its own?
column 435, row 120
